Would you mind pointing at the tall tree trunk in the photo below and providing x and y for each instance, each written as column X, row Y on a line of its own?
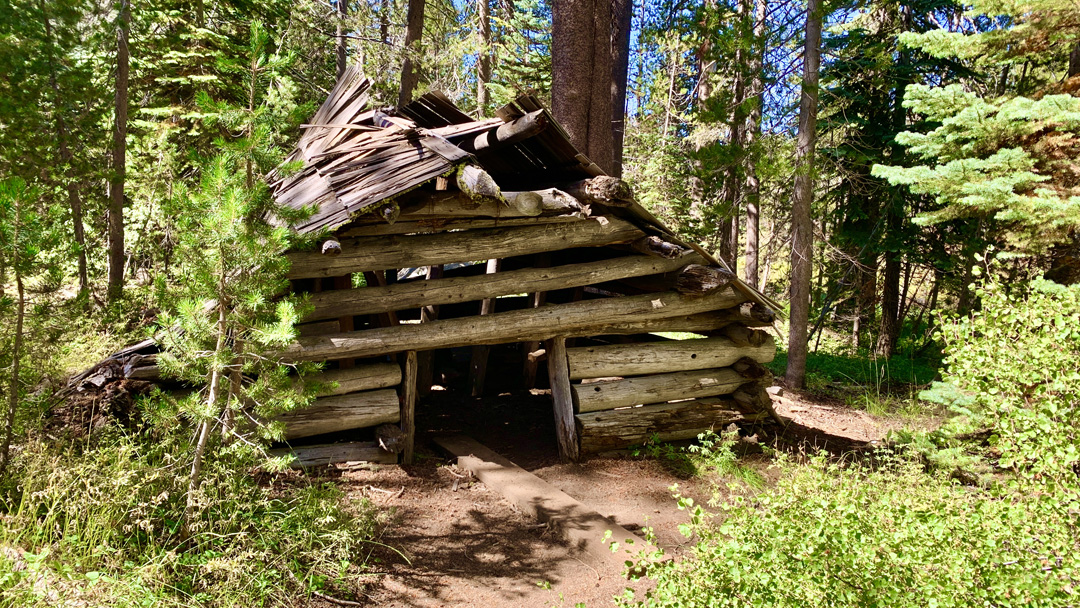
column 342, row 37
column 581, row 75
column 119, row 153
column 16, row 354
column 730, row 194
column 1074, row 61
column 384, row 21
column 66, row 158
column 802, row 235
column 483, row 63
column 752, row 194
column 622, row 16
column 414, row 32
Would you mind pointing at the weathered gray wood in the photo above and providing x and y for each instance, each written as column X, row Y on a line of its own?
column 453, row 204
column 507, row 133
column 320, row 328
column 476, row 182
column 434, row 224
column 656, row 246
column 382, row 253
column 610, row 394
column 753, row 397
column 744, row 336
column 661, row 357
column 618, row 429
column 360, row 378
column 401, row 296
column 342, row 412
column 408, row 407
column 585, row 318
column 563, row 399
column 333, row 453
column 604, row 189
column 697, row 279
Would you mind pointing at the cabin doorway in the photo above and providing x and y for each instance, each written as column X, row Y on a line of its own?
column 513, row 420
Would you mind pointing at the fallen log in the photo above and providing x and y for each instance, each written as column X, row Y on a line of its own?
column 341, row 413
column 617, row 429
column 584, row 318
column 610, row 394
column 401, row 296
column 332, row 453
column 360, row 378
column 662, row 357
column 387, row 252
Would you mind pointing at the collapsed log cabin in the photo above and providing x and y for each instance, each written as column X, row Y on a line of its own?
column 439, row 231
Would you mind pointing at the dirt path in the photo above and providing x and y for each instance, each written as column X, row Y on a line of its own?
column 457, row 543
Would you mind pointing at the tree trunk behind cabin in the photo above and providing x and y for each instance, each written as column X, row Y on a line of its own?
column 752, row 194
column 414, row 32
column 119, row 158
column 342, row 41
column 802, row 236
column 581, row 76
column 483, row 63
column 623, row 12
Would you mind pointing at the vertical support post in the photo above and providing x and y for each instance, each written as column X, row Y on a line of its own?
column 563, row 399
column 478, row 365
column 408, row 405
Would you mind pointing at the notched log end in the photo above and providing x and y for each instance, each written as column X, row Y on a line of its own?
column 656, row 246
column 331, row 247
column 698, row 280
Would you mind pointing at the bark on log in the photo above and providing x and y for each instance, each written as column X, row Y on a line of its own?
column 563, row 399
column 341, row 413
column 383, row 253
column 696, row 279
column 333, row 453
column 604, row 189
column 401, row 296
column 585, row 318
column 507, row 133
column 617, row 429
column 662, row 357
column 361, row 378
column 610, row 394
column 656, row 246
column 744, row 336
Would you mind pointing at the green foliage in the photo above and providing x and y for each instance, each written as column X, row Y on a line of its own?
column 711, row 455
column 1012, row 367
column 854, row 535
column 98, row 524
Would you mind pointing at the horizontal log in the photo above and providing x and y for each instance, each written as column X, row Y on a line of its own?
column 434, row 224
column 333, row 453
column 386, row 252
column 656, row 246
column 618, row 429
column 323, row 328
column 744, row 336
column 341, row 413
column 476, row 182
column 604, row 189
column 453, row 290
column 583, row 318
column 360, row 378
column 661, row 357
column 610, row 394
column 506, row 133
column 699, row 279
column 518, row 204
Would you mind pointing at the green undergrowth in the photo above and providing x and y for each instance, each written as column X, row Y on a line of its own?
column 96, row 524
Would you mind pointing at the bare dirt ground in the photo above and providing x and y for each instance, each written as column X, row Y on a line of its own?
column 457, row 543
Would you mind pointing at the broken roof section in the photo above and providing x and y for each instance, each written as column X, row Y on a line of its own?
column 356, row 158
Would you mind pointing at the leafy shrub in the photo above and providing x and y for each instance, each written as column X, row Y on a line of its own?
column 851, row 535
column 1013, row 367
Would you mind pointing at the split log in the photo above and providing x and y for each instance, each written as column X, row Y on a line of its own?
column 407, row 407
column 562, row 397
column 383, row 253
column 662, row 357
column 507, row 133
column 361, row 378
column 617, row 429
column 656, row 246
column 341, row 413
column 585, row 318
column 477, row 183
column 390, row 438
column 433, row 224
column 333, row 453
column 604, row 189
column 610, row 394
column 744, row 336
column 696, row 279
column 454, row 290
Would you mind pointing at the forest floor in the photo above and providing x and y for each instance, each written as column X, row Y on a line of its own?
column 455, row 542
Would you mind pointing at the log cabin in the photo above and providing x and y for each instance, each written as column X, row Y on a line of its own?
column 439, row 231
